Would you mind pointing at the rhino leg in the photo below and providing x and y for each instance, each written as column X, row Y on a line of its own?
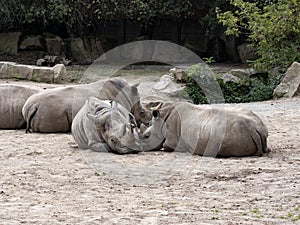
column 267, row 150
column 167, row 148
column 98, row 147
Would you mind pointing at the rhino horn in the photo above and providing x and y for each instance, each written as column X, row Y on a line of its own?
column 123, row 130
column 143, row 128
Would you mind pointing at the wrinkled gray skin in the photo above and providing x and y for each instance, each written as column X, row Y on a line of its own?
column 53, row 110
column 12, row 99
column 205, row 130
column 105, row 126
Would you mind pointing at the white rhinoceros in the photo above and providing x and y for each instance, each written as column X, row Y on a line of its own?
column 103, row 125
column 205, row 130
column 53, row 110
column 12, row 99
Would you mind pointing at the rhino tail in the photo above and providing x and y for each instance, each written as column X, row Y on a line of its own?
column 260, row 142
column 263, row 137
column 29, row 116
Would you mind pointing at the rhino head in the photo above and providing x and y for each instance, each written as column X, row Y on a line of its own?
column 117, row 129
column 153, row 137
column 128, row 95
column 142, row 114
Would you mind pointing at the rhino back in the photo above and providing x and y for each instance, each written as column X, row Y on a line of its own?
column 228, row 132
column 218, row 131
column 50, row 110
column 55, row 108
column 12, row 99
column 83, row 129
column 79, row 125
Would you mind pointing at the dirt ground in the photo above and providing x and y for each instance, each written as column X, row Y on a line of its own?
column 46, row 179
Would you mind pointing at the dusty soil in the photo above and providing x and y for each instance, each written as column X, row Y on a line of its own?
column 46, row 179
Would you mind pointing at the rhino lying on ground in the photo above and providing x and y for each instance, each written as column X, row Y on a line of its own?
column 12, row 99
column 53, row 110
column 202, row 130
column 102, row 125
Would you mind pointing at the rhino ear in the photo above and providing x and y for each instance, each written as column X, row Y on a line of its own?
column 148, row 105
column 95, row 119
column 159, row 105
column 114, row 105
column 99, row 123
column 91, row 116
column 136, row 84
column 132, row 120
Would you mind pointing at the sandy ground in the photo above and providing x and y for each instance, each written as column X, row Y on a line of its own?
column 46, row 179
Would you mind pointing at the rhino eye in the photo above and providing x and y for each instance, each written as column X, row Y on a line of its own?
column 131, row 119
column 142, row 112
column 147, row 134
column 113, row 140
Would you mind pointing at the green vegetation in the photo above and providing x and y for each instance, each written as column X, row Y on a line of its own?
column 273, row 28
column 209, row 60
column 78, row 15
column 249, row 89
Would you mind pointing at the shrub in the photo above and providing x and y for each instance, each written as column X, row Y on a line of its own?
column 78, row 15
column 247, row 90
column 273, row 28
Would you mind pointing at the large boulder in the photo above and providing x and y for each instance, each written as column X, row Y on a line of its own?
column 9, row 63
column 244, row 73
column 13, row 70
column 246, row 52
column 229, row 78
column 167, row 88
column 290, row 85
column 84, row 50
column 178, row 74
column 55, row 45
column 59, row 73
column 56, row 74
column 32, row 43
column 9, row 43
column 76, row 50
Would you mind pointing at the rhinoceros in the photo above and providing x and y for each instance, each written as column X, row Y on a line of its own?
column 205, row 130
column 53, row 110
column 12, row 99
column 103, row 125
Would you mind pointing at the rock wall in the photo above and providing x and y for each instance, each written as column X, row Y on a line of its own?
column 81, row 50
column 55, row 74
column 84, row 50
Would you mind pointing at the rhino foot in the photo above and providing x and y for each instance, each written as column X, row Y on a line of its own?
column 99, row 147
column 28, row 130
